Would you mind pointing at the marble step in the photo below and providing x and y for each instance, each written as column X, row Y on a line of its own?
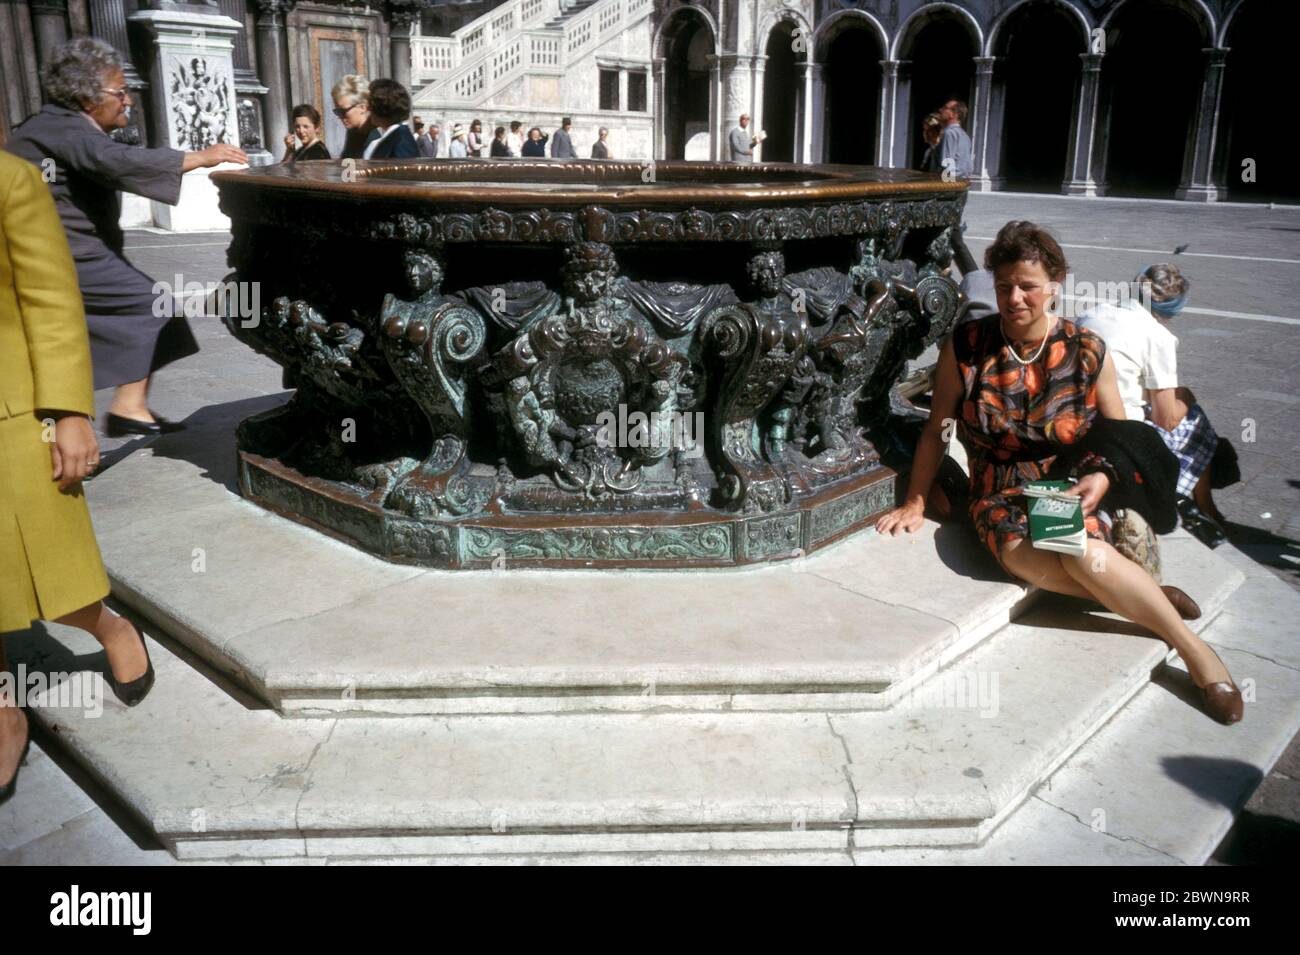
column 217, row 775
column 1157, row 785
column 317, row 628
column 1161, row 784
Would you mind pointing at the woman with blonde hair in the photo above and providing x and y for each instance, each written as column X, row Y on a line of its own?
column 50, row 568
column 351, row 97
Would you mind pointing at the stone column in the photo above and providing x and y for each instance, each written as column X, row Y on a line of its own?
column 259, row 141
column 659, row 101
column 816, row 114
column 273, row 62
column 1081, row 154
column 759, row 74
column 736, row 85
column 108, row 22
column 1198, row 183
column 717, row 122
column 810, row 112
column 78, row 18
column 401, row 14
column 888, row 107
column 903, row 131
column 984, row 126
column 50, row 24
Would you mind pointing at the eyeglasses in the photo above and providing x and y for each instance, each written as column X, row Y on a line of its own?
column 121, row 93
column 341, row 111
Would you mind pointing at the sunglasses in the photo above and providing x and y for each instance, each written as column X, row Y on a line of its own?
column 341, row 111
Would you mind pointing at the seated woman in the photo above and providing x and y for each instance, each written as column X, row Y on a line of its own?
column 1146, row 366
column 1023, row 385
column 304, row 142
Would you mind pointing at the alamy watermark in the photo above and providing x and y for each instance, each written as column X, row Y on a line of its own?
column 979, row 691
column 76, row 690
column 679, row 431
column 241, row 300
column 1074, row 298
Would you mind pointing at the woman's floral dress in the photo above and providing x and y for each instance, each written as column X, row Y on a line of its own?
column 1015, row 418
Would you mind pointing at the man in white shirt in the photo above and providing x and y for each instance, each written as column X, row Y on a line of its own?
column 1145, row 354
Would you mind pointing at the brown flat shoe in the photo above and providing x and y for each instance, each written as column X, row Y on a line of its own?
column 1185, row 605
column 1223, row 700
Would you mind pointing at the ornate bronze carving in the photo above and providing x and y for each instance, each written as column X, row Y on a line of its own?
column 543, row 364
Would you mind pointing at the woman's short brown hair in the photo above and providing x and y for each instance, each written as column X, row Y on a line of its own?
column 306, row 109
column 389, row 100
column 1026, row 242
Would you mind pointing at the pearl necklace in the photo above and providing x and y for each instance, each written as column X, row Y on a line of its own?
column 1012, row 348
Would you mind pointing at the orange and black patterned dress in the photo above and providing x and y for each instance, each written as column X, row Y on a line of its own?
column 1015, row 419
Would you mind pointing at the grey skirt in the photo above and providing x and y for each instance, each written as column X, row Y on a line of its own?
column 128, row 341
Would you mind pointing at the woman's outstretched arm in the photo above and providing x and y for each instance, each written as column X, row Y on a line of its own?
column 930, row 448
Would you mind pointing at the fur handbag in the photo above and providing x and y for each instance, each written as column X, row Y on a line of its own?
column 1134, row 538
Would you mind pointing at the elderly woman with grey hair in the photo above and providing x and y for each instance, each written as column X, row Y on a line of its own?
column 132, row 332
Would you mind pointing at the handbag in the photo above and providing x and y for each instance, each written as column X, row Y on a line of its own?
column 1133, row 537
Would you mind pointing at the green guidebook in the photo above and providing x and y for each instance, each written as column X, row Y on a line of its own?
column 1056, row 518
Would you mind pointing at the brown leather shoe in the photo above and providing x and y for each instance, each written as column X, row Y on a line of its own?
column 1223, row 700
column 1185, row 605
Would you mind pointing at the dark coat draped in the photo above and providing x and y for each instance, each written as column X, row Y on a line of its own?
column 132, row 330
column 1145, row 471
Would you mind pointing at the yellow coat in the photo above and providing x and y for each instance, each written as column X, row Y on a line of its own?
column 49, row 561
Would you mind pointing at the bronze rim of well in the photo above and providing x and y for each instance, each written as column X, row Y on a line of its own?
column 526, row 181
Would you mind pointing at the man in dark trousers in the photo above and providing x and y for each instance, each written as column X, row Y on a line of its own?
column 423, row 141
column 562, row 142
column 956, row 162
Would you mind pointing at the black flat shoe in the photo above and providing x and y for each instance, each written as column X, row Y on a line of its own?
column 135, row 691
column 115, row 426
column 1199, row 525
column 7, row 790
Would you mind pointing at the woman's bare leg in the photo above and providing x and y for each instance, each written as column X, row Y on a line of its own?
column 1205, row 500
column 120, row 639
column 1042, row 568
column 1126, row 589
column 13, row 729
column 132, row 401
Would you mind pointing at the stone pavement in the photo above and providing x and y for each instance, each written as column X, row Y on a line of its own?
column 1239, row 351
